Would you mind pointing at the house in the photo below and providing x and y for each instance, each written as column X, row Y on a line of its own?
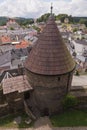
column 80, row 46
column 5, row 39
column 23, row 44
column 79, row 35
column 66, row 20
column 6, row 47
column 5, row 59
column 12, row 24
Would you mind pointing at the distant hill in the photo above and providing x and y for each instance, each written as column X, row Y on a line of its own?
column 25, row 21
column 77, row 19
column 3, row 21
column 61, row 17
column 19, row 20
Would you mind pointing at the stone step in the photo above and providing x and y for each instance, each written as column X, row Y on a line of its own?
column 28, row 111
column 33, row 109
column 79, row 93
column 78, row 88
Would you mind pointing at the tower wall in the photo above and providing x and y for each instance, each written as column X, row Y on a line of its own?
column 49, row 91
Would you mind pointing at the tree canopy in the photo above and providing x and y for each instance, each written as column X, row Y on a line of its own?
column 20, row 21
column 3, row 21
column 24, row 21
column 83, row 21
column 43, row 18
column 61, row 17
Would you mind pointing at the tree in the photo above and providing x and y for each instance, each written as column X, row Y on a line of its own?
column 70, row 101
column 63, row 16
column 25, row 21
column 3, row 21
column 43, row 18
column 36, row 28
column 11, row 28
column 75, row 30
column 83, row 21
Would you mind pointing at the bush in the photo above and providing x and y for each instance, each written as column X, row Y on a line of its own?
column 11, row 28
column 77, row 73
column 70, row 101
column 75, row 30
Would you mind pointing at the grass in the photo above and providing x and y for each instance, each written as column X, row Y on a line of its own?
column 83, row 73
column 8, row 121
column 70, row 118
column 66, row 119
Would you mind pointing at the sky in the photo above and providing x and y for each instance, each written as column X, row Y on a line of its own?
column 35, row 8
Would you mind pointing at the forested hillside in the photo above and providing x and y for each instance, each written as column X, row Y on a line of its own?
column 20, row 21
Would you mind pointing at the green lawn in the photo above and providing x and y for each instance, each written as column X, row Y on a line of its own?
column 7, row 122
column 70, row 118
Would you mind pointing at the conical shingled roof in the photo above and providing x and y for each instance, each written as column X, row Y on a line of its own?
column 50, row 55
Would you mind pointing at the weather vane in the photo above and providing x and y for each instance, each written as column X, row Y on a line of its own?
column 51, row 8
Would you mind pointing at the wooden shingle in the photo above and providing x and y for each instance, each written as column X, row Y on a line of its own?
column 50, row 55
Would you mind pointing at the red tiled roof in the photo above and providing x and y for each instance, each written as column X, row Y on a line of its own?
column 22, row 44
column 14, row 84
column 50, row 55
column 5, row 39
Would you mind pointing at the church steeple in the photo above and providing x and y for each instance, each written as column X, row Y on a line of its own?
column 51, row 8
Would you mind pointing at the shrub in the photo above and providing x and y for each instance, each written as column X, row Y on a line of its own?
column 70, row 101
column 77, row 73
column 11, row 28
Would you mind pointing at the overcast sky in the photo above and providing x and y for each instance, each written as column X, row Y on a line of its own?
column 35, row 8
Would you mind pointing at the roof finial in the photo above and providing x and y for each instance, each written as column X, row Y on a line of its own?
column 51, row 8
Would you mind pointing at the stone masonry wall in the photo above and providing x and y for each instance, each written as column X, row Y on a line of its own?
column 49, row 81
column 49, row 91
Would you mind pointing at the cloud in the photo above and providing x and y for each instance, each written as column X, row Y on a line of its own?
column 35, row 8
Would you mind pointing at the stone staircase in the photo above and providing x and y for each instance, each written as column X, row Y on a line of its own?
column 28, row 111
column 33, row 111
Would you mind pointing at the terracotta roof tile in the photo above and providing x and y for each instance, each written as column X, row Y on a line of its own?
column 50, row 55
column 5, row 39
column 22, row 44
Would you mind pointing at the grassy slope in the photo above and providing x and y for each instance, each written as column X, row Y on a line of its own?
column 7, row 122
column 70, row 118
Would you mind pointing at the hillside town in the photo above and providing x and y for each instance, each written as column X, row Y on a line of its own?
column 15, row 44
column 37, row 64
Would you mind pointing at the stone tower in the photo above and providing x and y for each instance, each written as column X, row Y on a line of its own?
column 49, row 69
